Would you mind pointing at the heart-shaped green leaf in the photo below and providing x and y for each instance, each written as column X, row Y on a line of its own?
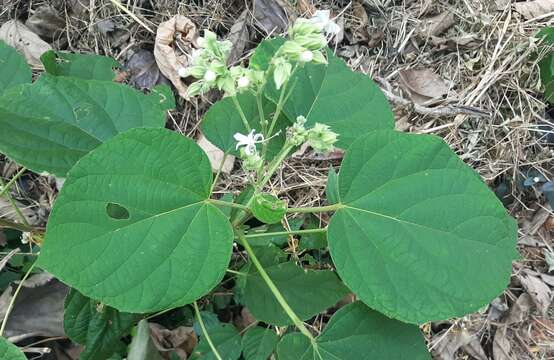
column 258, row 343
column 9, row 351
column 420, row 237
column 357, row 332
column 83, row 66
column 223, row 121
column 308, row 292
column 98, row 328
column 13, row 68
column 349, row 102
column 49, row 125
column 172, row 248
column 226, row 340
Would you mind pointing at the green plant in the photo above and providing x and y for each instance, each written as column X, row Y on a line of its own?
column 546, row 65
column 414, row 233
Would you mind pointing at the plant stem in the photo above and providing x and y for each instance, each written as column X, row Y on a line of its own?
column 229, row 204
column 241, row 113
column 293, row 232
column 12, row 181
column 315, row 209
column 220, row 168
column 286, row 307
column 203, row 327
column 12, row 301
column 261, row 114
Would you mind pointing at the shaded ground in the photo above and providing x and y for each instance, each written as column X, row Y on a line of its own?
column 478, row 56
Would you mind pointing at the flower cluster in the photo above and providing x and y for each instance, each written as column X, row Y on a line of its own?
column 248, row 151
column 209, row 66
column 320, row 137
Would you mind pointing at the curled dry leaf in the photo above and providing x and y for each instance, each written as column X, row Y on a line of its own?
column 181, row 340
column 17, row 35
column 448, row 344
column 239, row 36
column 46, row 22
column 520, row 310
column 270, row 16
column 436, row 25
column 535, row 8
column 216, row 155
column 501, row 345
column 538, row 290
column 170, row 57
column 423, row 85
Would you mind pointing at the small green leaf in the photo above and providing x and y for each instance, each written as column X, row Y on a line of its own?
column 173, row 248
column 49, row 125
column 308, row 292
column 332, row 188
column 82, row 66
column 420, row 236
column 9, row 351
column 258, row 343
column 98, row 328
column 349, row 102
column 226, row 340
column 357, row 332
column 268, row 208
column 13, row 68
column 546, row 65
column 312, row 241
column 223, row 121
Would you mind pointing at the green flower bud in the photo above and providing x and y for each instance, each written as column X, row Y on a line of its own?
column 291, row 49
column 312, row 41
column 304, row 27
column 250, row 162
column 194, row 89
column 195, row 71
column 321, row 138
column 226, row 84
column 282, row 72
column 319, row 58
column 297, row 133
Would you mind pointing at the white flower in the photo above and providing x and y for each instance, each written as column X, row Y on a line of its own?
column 210, row 75
column 306, row 56
column 248, row 141
column 323, row 19
column 182, row 71
column 243, row 82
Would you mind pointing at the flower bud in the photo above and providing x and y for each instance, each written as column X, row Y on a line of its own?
column 282, row 72
column 243, row 82
column 250, row 162
column 297, row 133
column 291, row 49
column 312, row 41
column 321, row 138
column 194, row 89
column 304, row 27
column 319, row 58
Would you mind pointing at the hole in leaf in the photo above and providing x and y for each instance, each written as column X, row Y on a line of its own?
column 116, row 211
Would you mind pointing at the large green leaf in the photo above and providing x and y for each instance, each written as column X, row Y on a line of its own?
column 349, row 102
column 49, row 125
column 13, row 68
column 98, row 327
column 9, row 351
column 83, row 66
column 226, row 340
column 419, row 237
column 308, row 292
column 357, row 332
column 223, row 121
column 258, row 343
column 170, row 249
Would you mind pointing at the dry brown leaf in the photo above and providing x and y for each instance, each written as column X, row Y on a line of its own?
column 216, row 155
column 270, row 16
column 520, row 310
column 454, row 340
column 168, row 56
column 182, row 340
column 423, row 85
column 361, row 32
column 16, row 34
column 534, row 9
column 501, row 345
column 143, row 70
column 244, row 320
column 239, row 36
column 539, row 291
column 7, row 212
column 46, row 22
column 548, row 279
column 436, row 25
